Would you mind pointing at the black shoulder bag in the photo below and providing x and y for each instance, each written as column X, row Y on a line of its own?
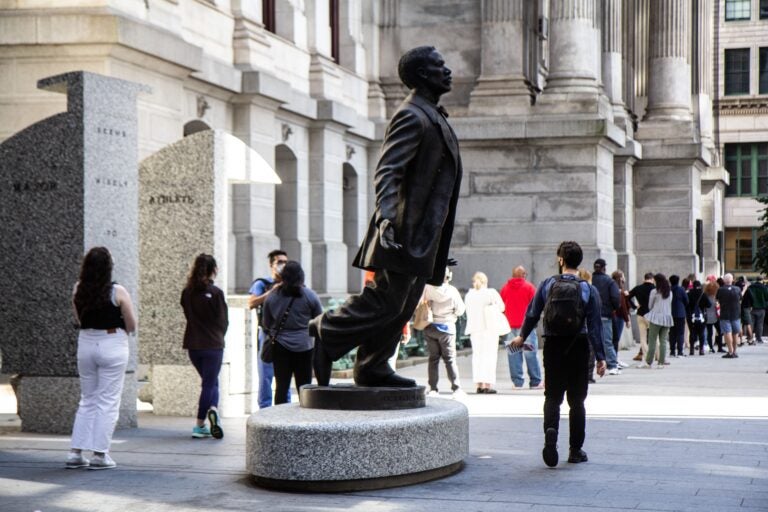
column 267, row 349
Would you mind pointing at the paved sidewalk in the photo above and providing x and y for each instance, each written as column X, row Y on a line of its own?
column 691, row 437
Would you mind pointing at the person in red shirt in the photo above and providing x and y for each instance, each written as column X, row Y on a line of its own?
column 517, row 294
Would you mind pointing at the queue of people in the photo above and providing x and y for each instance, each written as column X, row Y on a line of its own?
column 584, row 315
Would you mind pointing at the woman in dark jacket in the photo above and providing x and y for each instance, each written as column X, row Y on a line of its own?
column 621, row 315
column 287, row 313
column 708, row 306
column 696, row 318
column 679, row 305
column 206, row 312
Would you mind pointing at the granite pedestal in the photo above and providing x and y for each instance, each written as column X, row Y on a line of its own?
column 295, row 448
column 185, row 209
column 69, row 183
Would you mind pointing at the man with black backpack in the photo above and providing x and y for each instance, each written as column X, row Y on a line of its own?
column 260, row 290
column 571, row 309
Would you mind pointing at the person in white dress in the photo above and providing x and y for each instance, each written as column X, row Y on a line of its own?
column 484, row 312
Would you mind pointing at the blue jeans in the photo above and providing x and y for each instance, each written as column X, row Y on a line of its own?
column 618, row 330
column 515, row 361
column 610, row 354
column 266, row 375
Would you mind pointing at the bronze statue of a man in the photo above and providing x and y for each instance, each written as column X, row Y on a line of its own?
column 417, row 187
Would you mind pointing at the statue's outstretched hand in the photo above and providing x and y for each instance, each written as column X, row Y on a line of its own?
column 387, row 236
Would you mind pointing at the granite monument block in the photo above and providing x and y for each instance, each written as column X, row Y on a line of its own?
column 67, row 183
column 185, row 209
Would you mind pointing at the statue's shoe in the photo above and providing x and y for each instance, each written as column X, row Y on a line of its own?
column 392, row 380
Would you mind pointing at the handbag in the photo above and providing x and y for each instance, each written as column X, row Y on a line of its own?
column 496, row 321
column 423, row 316
column 267, row 348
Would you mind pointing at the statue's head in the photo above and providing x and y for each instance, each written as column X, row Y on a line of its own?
column 423, row 67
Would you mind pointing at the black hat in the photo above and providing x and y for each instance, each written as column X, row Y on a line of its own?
column 599, row 263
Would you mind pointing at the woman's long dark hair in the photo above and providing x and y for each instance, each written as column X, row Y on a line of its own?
column 201, row 272
column 292, row 278
column 662, row 285
column 95, row 285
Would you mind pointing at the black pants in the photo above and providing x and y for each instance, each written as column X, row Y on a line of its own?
column 207, row 362
column 289, row 364
column 373, row 322
column 697, row 334
column 565, row 374
column 677, row 336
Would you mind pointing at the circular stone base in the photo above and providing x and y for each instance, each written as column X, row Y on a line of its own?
column 367, row 484
column 349, row 397
column 299, row 449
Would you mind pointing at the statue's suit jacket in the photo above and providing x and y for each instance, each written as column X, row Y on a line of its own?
column 417, row 184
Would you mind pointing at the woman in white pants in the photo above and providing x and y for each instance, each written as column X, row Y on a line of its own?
column 483, row 305
column 105, row 314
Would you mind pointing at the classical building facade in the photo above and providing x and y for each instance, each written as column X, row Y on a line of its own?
column 742, row 110
column 578, row 119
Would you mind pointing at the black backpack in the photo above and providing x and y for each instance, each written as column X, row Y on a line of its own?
column 564, row 310
column 260, row 309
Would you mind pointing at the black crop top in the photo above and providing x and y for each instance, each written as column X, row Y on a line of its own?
column 108, row 316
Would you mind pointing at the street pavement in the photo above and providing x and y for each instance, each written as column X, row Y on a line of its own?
column 690, row 437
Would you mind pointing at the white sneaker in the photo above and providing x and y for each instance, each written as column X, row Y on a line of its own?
column 644, row 365
column 433, row 392
column 614, row 371
column 623, row 365
column 459, row 394
column 76, row 460
column 102, row 462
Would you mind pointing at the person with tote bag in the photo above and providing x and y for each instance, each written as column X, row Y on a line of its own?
column 485, row 324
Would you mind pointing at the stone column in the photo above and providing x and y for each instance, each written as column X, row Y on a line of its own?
column 573, row 48
column 250, row 44
column 371, row 12
column 669, row 88
column 612, row 49
column 351, row 51
column 501, row 87
column 326, row 228
column 640, row 54
column 623, row 215
column 668, row 198
column 253, row 205
column 701, row 70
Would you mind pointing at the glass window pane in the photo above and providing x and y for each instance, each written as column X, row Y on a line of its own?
column 746, row 177
column 763, row 71
column 763, row 9
column 744, row 252
column 737, row 71
column 762, row 149
column 732, row 166
column 737, row 9
column 762, row 177
column 730, row 248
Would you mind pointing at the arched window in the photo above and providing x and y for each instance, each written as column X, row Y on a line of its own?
column 194, row 127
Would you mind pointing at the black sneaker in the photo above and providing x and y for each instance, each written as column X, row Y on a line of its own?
column 216, row 430
column 727, row 356
column 576, row 456
column 549, row 453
